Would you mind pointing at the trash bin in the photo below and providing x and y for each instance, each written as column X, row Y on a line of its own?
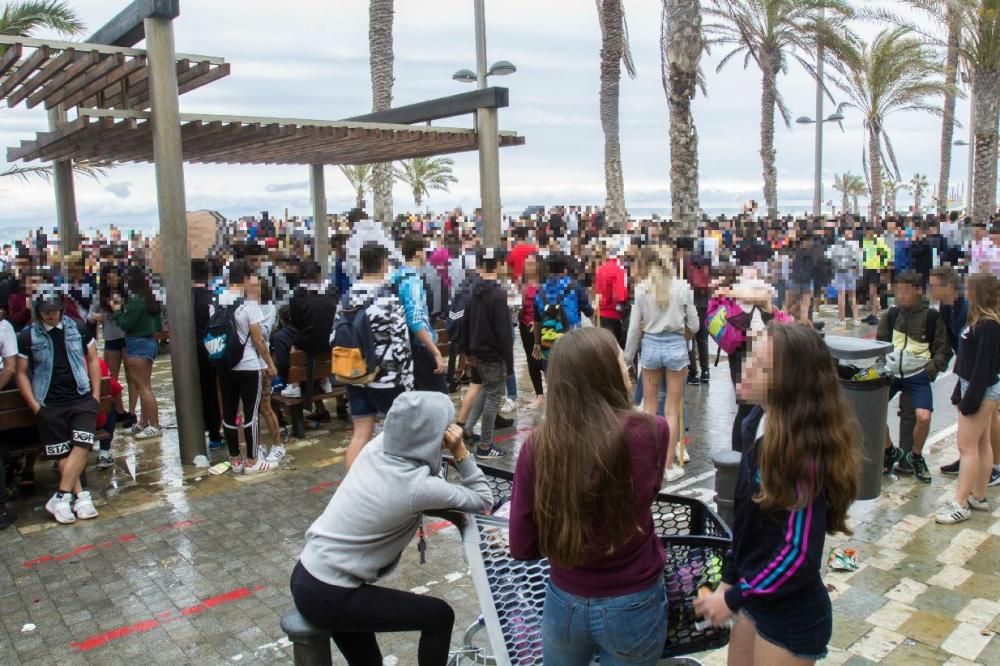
column 870, row 401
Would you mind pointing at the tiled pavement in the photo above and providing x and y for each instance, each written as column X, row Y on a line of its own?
column 184, row 568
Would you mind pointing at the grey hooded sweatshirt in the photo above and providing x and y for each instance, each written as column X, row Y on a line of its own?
column 376, row 511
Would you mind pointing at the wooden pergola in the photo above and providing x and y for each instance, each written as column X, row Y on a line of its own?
column 124, row 104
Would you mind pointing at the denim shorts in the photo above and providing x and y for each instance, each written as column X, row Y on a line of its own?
column 141, row 347
column 630, row 629
column 992, row 393
column 366, row 401
column 664, row 351
column 114, row 345
column 845, row 282
column 801, row 626
column 919, row 388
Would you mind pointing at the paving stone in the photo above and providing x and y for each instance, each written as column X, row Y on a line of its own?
column 947, row 603
column 912, row 653
column 928, row 628
column 858, row 603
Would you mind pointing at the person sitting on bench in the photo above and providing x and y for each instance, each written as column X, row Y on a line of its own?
column 60, row 379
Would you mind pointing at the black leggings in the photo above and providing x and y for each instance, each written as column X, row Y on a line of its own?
column 534, row 367
column 209, row 399
column 240, row 386
column 353, row 615
column 700, row 343
column 742, row 409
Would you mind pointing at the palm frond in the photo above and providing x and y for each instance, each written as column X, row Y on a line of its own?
column 24, row 18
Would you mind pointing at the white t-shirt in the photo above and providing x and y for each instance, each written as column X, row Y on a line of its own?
column 8, row 340
column 247, row 315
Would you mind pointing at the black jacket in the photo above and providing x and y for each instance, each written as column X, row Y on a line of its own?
column 487, row 332
column 202, row 298
column 978, row 363
column 281, row 349
column 312, row 313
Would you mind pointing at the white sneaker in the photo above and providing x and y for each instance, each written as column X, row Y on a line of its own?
column 135, row 430
column 276, row 455
column 262, row 451
column 857, row 322
column 60, row 509
column 291, row 391
column 238, row 467
column 149, row 432
column 953, row 513
column 259, row 467
column 326, row 386
column 979, row 504
column 841, row 323
column 104, row 460
column 83, row 507
column 508, row 406
column 673, row 474
column 687, row 456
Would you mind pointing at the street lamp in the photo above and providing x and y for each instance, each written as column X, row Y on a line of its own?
column 499, row 68
column 835, row 117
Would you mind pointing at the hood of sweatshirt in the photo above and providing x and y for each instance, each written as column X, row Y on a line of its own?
column 415, row 427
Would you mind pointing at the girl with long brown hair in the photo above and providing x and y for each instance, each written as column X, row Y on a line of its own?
column 798, row 477
column 583, row 489
column 977, row 396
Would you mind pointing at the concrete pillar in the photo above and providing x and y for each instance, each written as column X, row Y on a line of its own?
column 727, row 471
column 62, row 181
column 487, row 135
column 321, row 231
column 169, row 161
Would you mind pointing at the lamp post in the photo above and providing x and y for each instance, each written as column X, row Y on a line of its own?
column 805, row 120
column 487, row 132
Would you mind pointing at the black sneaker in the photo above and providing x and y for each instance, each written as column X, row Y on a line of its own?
column 819, row 325
column 919, row 465
column 950, row 468
column 892, row 456
column 489, row 454
column 502, row 423
column 454, row 387
column 704, row 376
column 904, row 467
column 995, row 476
column 7, row 518
column 871, row 320
column 127, row 420
column 693, row 380
column 470, row 440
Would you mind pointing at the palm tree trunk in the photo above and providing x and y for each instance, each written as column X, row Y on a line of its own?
column 417, row 199
column 681, row 47
column 917, row 196
column 380, row 13
column 768, row 101
column 359, row 198
column 987, row 91
column 948, row 119
column 875, row 169
column 612, row 50
column 845, row 204
column 856, row 207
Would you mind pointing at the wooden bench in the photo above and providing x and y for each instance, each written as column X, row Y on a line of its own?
column 298, row 371
column 15, row 414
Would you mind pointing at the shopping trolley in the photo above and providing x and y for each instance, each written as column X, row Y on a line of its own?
column 512, row 592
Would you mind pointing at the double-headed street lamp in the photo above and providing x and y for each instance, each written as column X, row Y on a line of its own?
column 837, row 117
column 487, row 132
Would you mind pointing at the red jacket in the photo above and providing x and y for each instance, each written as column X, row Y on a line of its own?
column 610, row 285
column 116, row 390
column 19, row 311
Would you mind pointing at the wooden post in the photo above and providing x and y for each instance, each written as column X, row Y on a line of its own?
column 321, row 231
column 167, row 155
column 62, row 181
column 487, row 135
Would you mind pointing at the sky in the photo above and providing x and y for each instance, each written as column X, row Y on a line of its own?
column 309, row 59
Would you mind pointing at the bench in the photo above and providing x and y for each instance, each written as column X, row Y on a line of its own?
column 298, row 371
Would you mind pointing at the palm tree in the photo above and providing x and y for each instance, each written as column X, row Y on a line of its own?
column 896, row 72
column 614, row 52
column 681, row 44
column 892, row 187
column 360, row 178
column 977, row 23
column 770, row 32
column 847, row 185
column 424, row 174
column 858, row 189
column 380, row 14
column 918, row 184
column 92, row 169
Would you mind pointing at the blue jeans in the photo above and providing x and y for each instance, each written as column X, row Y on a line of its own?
column 661, row 402
column 630, row 629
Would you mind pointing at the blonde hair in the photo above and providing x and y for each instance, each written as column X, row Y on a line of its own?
column 660, row 280
column 984, row 298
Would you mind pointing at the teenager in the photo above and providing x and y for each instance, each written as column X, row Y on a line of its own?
column 114, row 337
column 202, row 297
column 977, row 397
column 140, row 319
column 664, row 318
column 371, row 519
column 429, row 366
column 531, row 269
column 797, row 479
column 260, row 291
column 583, row 490
column 60, row 380
column 611, row 286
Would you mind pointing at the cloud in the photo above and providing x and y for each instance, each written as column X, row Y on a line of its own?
column 287, row 187
column 120, row 190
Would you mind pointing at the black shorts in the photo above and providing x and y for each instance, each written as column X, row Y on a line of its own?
column 65, row 425
column 872, row 277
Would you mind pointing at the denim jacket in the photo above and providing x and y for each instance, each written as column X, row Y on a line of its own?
column 43, row 355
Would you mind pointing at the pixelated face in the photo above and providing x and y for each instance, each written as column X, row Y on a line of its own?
column 939, row 289
column 51, row 317
column 758, row 370
column 906, row 294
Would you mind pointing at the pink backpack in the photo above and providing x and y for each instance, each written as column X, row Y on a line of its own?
column 727, row 323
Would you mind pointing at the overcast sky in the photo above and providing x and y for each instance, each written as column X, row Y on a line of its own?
column 309, row 59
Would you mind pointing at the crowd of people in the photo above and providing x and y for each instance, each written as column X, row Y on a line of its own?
column 614, row 325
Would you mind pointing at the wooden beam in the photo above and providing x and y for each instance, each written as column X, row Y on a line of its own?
column 213, row 74
column 31, row 63
column 83, row 74
column 442, row 107
column 97, row 85
column 59, row 45
column 84, row 62
column 127, row 28
column 51, row 68
column 10, row 58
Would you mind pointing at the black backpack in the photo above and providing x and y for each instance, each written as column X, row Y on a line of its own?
column 222, row 340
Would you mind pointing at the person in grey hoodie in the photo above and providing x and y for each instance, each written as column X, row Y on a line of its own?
column 371, row 519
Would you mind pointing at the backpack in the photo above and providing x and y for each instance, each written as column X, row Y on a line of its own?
column 222, row 340
column 930, row 324
column 456, row 313
column 720, row 321
column 353, row 358
column 554, row 321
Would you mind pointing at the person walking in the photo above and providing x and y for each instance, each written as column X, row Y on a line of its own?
column 139, row 318
column 664, row 318
column 584, row 486
column 611, row 287
column 798, row 477
column 698, row 272
column 526, row 320
column 977, row 397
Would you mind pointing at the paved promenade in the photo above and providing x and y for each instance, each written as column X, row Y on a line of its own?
column 186, row 568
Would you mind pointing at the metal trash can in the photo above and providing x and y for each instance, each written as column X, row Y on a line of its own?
column 870, row 401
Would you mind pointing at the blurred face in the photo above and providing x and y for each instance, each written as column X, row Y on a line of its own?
column 940, row 290
column 531, row 267
column 758, row 371
column 252, row 287
column 51, row 317
column 906, row 295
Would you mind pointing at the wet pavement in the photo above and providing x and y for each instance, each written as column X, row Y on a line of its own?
column 186, row 568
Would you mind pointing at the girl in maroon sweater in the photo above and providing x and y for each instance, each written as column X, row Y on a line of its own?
column 583, row 490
